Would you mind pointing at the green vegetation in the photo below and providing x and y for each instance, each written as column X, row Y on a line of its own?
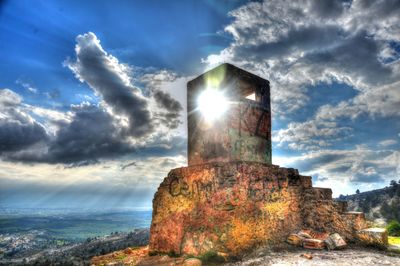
column 172, row 254
column 380, row 203
column 394, row 240
column 393, row 228
column 121, row 256
column 85, row 230
column 210, row 258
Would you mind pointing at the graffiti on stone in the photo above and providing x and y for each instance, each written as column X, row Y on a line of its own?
column 264, row 189
column 255, row 120
column 197, row 188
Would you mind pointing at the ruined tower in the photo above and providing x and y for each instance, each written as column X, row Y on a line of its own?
column 231, row 198
column 243, row 131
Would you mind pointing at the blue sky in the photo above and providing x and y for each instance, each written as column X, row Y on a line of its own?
column 92, row 93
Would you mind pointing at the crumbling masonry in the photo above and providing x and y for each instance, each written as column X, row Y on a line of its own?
column 231, row 198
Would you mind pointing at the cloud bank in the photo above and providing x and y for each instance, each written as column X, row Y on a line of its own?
column 126, row 119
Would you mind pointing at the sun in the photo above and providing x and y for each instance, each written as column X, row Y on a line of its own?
column 212, row 104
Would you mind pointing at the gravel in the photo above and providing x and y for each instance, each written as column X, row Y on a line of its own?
column 350, row 256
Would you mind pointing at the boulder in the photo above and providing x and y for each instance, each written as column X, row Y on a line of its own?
column 377, row 237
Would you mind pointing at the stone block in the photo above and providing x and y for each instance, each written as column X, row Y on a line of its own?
column 377, row 237
column 312, row 243
column 295, row 239
column 335, row 241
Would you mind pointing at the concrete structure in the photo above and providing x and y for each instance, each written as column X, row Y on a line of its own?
column 230, row 198
column 244, row 131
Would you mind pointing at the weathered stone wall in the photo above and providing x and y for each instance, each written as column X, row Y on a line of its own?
column 232, row 207
column 323, row 214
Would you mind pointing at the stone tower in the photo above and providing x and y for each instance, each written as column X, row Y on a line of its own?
column 243, row 132
column 231, row 198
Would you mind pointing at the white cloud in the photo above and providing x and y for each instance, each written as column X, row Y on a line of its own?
column 310, row 135
column 387, row 142
column 383, row 101
column 27, row 85
column 298, row 44
column 363, row 167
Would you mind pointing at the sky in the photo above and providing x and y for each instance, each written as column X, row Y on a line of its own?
column 93, row 93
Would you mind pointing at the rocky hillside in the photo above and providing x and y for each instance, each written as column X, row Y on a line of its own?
column 380, row 205
column 81, row 254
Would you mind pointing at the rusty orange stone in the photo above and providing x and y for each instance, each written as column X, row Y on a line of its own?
column 230, row 198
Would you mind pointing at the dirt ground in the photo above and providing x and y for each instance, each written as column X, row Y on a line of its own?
column 285, row 256
column 350, row 256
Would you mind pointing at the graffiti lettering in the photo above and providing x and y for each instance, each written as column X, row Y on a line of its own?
column 179, row 187
column 265, row 189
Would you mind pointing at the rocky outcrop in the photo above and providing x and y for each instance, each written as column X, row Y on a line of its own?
column 232, row 207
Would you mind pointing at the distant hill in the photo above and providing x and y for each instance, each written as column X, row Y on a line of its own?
column 379, row 205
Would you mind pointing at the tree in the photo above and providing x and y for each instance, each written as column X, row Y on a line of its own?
column 393, row 183
column 357, row 191
column 393, row 228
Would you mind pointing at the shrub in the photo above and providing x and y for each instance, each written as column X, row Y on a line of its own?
column 393, row 228
column 211, row 257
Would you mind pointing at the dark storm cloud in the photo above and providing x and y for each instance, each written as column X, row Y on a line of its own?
column 16, row 135
column 166, row 101
column 170, row 116
column 169, row 109
column 124, row 120
column 92, row 134
column 328, row 9
column 17, row 129
column 350, row 57
column 110, row 80
column 366, row 178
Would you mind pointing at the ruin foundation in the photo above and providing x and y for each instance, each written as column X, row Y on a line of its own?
column 231, row 198
column 231, row 207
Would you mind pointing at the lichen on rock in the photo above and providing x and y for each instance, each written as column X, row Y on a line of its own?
column 235, row 206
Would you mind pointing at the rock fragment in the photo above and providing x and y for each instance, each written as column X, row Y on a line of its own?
column 295, row 239
column 335, row 241
column 192, row 262
column 307, row 256
column 313, row 244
